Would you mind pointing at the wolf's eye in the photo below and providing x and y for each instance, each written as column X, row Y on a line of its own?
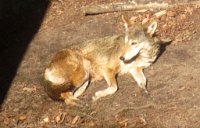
column 133, row 43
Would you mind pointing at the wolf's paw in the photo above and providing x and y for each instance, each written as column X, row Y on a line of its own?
column 69, row 102
column 69, row 99
column 75, row 103
column 94, row 98
column 97, row 96
column 141, row 92
column 143, row 85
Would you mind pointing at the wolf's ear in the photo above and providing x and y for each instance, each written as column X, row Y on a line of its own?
column 152, row 28
column 126, row 21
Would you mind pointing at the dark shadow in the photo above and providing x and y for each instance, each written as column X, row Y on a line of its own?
column 162, row 49
column 19, row 22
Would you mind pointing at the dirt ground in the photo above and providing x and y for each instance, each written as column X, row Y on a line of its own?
column 173, row 80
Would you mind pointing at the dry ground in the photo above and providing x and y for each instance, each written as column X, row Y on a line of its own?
column 173, row 81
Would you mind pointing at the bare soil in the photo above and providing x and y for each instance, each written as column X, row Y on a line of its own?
column 173, row 80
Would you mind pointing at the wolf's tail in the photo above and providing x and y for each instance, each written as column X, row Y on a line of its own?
column 54, row 90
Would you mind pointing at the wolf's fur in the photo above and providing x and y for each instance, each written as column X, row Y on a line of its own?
column 103, row 58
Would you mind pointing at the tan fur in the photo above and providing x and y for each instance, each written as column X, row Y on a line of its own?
column 106, row 58
column 67, row 64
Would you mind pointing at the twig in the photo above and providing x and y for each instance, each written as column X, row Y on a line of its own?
column 134, row 108
column 115, row 7
column 82, row 114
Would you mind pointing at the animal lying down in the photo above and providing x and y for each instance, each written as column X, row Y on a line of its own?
column 72, row 69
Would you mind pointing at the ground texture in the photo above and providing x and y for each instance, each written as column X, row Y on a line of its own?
column 173, row 80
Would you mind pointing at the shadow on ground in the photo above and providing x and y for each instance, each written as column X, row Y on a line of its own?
column 19, row 22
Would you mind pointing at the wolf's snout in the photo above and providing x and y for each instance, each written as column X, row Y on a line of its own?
column 122, row 58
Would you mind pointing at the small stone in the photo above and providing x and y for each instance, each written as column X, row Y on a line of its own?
column 46, row 119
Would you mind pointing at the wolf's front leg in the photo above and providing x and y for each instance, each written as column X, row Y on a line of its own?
column 138, row 75
column 109, row 76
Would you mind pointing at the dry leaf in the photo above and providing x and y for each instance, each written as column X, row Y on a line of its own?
column 189, row 10
column 175, row 42
column 179, row 38
column 133, row 18
column 46, row 119
column 161, row 13
column 123, row 121
column 61, row 117
column 58, row 118
column 142, row 10
column 143, row 120
column 29, row 89
column 171, row 13
column 117, row 118
column 93, row 112
column 91, row 124
column 125, row 124
column 181, row 88
column 22, row 118
column 75, row 119
column 145, row 20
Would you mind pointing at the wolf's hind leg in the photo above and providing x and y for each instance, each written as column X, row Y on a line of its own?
column 112, row 83
column 81, row 89
column 139, row 76
column 69, row 98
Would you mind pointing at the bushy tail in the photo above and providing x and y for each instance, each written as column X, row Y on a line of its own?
column 54, row 91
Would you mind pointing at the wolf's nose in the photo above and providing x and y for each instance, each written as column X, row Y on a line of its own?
column 122, row 58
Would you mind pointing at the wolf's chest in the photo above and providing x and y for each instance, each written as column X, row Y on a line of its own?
column 125, row 68
column 139, row 62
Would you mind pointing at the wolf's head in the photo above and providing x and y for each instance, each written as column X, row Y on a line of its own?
column 137, row 37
